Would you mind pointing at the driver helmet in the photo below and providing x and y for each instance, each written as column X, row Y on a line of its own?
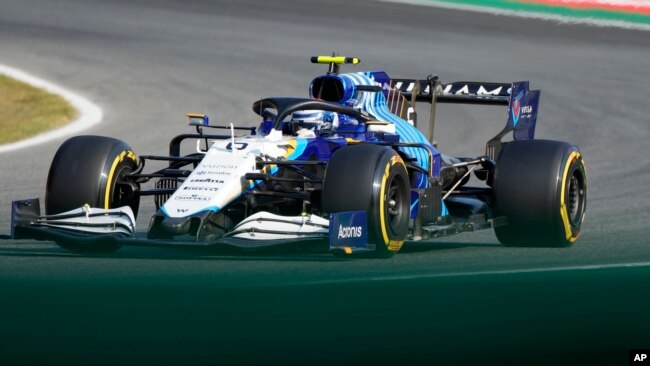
column 315, row 120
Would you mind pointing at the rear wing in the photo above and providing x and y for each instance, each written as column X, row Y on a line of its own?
column 522, row 103
column 466, row 92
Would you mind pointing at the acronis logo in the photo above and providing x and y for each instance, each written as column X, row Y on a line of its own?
column 348, row 229
column 346, row 232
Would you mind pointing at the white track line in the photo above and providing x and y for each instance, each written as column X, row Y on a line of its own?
column 468, row 274
column 89, row 113
column 527, row 14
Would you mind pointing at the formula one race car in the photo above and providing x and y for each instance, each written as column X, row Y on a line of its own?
column 345, row 169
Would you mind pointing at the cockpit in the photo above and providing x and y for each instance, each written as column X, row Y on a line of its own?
column 309, row 117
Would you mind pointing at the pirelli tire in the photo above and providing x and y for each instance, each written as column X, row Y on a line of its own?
column 540, row 187
column 374, row 179
column 90, row 170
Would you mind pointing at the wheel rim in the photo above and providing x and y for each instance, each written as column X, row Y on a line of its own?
column 575, row 199
column 120, row 192
column 395, row 204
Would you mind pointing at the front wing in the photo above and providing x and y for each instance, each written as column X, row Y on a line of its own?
column 93, row 227
column 98, row 227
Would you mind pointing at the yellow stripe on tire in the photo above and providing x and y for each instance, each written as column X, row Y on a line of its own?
column 564, row 212
column 392, row 245
column 111, row 173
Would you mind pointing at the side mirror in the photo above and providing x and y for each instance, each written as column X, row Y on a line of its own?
column 199, row 120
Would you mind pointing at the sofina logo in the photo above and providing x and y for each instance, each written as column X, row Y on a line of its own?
column 194, row 197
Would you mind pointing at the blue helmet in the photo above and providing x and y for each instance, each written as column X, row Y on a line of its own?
column 315, row 120
column 319, row 120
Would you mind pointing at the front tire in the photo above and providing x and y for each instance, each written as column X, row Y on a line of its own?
column 540, row 186
column 374, row 179
column 90, row 170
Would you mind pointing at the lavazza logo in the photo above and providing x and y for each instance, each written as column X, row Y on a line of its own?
column 346, row 232
column 207, row 180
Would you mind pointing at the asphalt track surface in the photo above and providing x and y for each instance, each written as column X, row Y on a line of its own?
column 459, row 300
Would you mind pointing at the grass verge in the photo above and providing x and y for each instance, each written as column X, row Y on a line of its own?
column 26, row 111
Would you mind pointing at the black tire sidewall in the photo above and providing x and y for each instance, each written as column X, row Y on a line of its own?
column 353, row 182
column 80, row 171
column 529, row 180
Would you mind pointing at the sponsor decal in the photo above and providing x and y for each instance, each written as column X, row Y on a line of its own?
column 477, row 88
column 483, row 91
column 349, row 229
column 212, row 172
column 219, row 166
column 472, row 89
column 207, row 180
column 346, row 232
column 520, row 111
column 516, row 108
column 182, row 210
column 193, row 197
column 238, row 146
column 205, row 189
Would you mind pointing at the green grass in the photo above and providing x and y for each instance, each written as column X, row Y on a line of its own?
column 26, row 111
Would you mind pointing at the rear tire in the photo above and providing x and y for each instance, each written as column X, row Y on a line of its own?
column 540, row 186
column 374, row 179
column 86, row 170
